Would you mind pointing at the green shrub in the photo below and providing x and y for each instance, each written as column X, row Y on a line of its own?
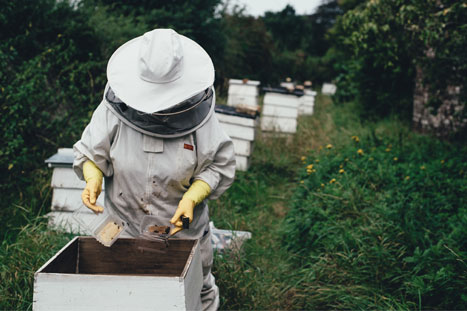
column 23, row 256
column 384, row 42
column 382, row 218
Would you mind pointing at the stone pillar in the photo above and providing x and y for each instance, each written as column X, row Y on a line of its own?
column 448, row 119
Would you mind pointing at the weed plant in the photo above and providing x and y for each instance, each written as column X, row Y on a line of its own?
column 385, row 219
column 338, row 228
column 32, row 247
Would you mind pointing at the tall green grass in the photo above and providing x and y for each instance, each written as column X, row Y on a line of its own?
column 33, row 245
column 383, row 228
column 373, row 239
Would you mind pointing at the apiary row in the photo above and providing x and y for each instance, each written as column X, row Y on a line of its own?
column 279, row 113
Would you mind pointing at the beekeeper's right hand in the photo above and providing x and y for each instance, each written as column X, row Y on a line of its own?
column 93, row 176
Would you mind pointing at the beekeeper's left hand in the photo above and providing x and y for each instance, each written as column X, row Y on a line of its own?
column 185, row 208
column 197, row 192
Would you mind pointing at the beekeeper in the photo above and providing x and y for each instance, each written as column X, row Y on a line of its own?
column 155, row 139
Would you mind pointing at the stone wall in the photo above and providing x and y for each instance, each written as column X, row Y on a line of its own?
column 449, row 117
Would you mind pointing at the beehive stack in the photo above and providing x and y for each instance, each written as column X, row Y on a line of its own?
column 289, row 85
column 280, row 111
column 243, row 93
column 241, row 127
column 328, row 89
column 307, row 102
column 66, row 192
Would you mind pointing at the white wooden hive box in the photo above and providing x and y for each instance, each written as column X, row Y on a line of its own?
column 242, row 93
column 133, row 274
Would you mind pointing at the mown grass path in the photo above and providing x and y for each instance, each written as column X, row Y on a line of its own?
column 262, row 276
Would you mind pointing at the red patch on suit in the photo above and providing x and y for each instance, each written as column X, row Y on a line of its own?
column 187, row 146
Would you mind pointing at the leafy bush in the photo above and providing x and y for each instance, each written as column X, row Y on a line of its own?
column 384, row 41
column 49, row 84
column 384, row 218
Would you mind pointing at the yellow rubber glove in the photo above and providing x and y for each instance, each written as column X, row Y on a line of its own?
column 93, row 176
column 198, row 191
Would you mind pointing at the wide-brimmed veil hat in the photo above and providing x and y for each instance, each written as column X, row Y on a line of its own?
column 159, row 70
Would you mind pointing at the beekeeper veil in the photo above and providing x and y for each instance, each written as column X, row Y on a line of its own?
column 161, row 84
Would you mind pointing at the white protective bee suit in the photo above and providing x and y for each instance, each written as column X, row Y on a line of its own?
column 148, row 173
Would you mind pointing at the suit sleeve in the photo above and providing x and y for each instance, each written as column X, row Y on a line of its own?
column 216, row 157
column 96, row 141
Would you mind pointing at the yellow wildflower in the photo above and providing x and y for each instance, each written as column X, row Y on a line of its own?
column 442, row 161
column 317, row 161
column 332, row 181
column 301, row 181
column 329, row 146
column 309, row 167
column 10, row 166
column 59, row 35
column 341, row 166
column 407, row 177
column 360, row 151
column 396, row 158
column 322, row 185
column 422, row 167
column 356, row 139
column 388, row 149
column 341, row 171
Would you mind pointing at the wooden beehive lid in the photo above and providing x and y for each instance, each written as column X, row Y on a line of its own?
column 244, row 82
column 243, row 111
column 63, row 158
column 283, row 90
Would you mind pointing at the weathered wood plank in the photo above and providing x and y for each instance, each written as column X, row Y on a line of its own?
column 274, row 124
column 278, row 99
column 107, row 292
column 225, row 118
column 238, row 131
column 280, row 111
column 242, row 163
column 242, row 147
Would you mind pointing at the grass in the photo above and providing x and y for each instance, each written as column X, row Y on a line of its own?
column 371, row 239
column 334, row 248
column 33, row 246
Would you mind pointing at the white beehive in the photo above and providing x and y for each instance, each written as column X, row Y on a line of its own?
column 328, row 89
column 288, row 85
column 243, row 93
column 280, row 111
column 133, row 274
column 307, row 102
column 66, row 192
column 241, row 128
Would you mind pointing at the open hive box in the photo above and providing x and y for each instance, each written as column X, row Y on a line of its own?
column 133, row 274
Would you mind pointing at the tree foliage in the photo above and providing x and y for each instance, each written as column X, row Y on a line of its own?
column 385, row 40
